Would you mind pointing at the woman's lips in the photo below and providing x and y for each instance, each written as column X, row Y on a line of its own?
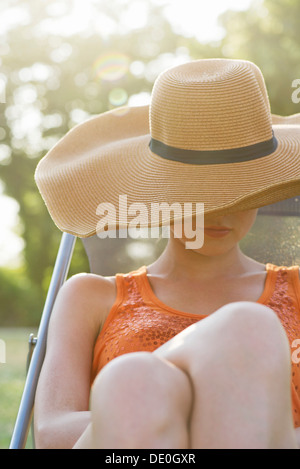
column 217, row 231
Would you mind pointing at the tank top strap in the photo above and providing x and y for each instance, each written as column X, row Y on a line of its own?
column 130, row 286
column 129, row 293
column 283, row 277
column 295, row 282
column 284, row 295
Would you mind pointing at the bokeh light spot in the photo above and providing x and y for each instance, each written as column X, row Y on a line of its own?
column 111, row 66
column 118, row 97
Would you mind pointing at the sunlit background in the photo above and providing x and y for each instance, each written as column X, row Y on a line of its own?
column 62, row 61
column 190, row 18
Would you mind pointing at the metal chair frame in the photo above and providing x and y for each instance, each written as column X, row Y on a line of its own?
column 60, row 272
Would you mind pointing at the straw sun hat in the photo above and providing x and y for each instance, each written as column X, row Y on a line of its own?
column 208, row 137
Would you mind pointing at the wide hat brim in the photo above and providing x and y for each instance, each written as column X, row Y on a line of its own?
column 109, row 156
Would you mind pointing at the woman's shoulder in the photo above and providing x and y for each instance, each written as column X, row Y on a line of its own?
column 87, row 295
column 89, row 281
column 92, row 286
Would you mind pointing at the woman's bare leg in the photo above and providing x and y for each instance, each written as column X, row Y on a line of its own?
column 221, row 383
column 139, row 401
column 238, row 360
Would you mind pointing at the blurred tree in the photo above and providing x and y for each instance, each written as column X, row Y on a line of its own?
column 19, row 300
column 269, row 35
column 55, row 80
column 61, row 70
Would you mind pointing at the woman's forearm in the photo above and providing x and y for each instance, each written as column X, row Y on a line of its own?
column 61, row 431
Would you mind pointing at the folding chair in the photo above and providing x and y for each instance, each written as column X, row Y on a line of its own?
column 282, row 220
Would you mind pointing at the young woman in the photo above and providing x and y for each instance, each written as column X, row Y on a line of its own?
column 193, row 351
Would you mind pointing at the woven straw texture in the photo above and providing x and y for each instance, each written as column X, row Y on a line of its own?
column 203, row 105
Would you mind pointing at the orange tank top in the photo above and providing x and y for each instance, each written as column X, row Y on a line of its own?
column 139, row 321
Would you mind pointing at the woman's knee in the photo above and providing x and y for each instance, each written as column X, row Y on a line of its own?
column 255, row 328
column 140, row 395
column 121, row 379
column 142, row 375
column 133, row 371
column 243, row 334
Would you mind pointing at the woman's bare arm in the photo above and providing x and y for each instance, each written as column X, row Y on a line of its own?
column 62, row 398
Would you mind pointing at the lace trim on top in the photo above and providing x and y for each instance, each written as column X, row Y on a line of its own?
column 137, row 322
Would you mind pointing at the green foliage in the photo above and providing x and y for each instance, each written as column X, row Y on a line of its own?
column 12, row 380
column 56, row 80
column 21, row 301
column 268, row 34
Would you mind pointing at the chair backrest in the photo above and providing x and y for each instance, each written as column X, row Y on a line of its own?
column 274, row 238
